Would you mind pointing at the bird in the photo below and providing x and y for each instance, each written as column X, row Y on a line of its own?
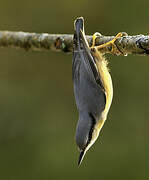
column 93, row 89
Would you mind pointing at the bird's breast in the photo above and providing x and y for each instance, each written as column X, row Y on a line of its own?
column 107, row 83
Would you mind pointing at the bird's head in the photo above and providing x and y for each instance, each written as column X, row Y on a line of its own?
column 87, row 132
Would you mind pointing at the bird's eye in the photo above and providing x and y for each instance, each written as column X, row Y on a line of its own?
column 93, row 122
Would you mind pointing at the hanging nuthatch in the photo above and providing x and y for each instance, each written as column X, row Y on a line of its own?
column 92, row 87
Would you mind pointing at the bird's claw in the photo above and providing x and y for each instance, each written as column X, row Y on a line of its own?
column 112, row 47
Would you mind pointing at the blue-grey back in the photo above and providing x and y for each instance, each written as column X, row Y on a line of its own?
column 88, row 93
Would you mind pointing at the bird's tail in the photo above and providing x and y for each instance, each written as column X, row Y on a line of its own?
column 78, row 26
column 82, row 47
column 79, row 39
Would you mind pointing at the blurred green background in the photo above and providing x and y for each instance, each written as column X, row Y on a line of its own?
column 37, row 108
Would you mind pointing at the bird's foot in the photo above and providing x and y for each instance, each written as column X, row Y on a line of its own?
column 110, row 45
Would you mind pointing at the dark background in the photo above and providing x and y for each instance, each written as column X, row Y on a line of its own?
column 37, row 108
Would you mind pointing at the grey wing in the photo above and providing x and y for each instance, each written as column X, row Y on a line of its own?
column 82, row 51
column 89, row 61
column 87, row 58
column 86, row 89
column 87, row 84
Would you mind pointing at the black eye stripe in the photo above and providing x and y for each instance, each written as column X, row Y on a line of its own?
column 91, row 129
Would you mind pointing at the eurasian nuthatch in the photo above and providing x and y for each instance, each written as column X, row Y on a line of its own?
column 92, row 87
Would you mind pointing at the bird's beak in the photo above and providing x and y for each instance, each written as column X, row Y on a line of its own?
column 81, row 156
